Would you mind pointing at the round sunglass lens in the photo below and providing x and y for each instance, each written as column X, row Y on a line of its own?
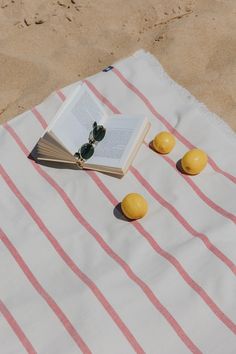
column 99, row 132
column 86, row 151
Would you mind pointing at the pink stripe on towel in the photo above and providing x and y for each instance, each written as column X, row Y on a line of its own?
column 15, row 326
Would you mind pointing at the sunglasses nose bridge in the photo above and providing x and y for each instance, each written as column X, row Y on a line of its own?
column 91, row 138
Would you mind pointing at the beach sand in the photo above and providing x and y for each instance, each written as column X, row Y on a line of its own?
column 45, row 45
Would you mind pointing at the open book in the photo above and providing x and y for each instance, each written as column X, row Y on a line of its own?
column 72, row 127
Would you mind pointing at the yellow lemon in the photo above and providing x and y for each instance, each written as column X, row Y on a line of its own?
column 164, row 142
column 134, row 206
column 194, row 161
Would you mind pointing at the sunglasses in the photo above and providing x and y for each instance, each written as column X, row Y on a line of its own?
column 86, row 151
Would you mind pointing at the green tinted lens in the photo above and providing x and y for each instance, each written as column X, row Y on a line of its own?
column 99, row 132
column 86, row 151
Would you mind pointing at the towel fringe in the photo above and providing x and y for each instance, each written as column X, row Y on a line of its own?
column 212, row 118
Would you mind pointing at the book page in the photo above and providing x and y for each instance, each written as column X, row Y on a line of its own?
column 122, row 131
column 75, row 119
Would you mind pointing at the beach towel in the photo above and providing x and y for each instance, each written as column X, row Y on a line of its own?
column 76, row 276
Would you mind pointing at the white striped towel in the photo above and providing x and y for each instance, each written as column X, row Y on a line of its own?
column 77, row 278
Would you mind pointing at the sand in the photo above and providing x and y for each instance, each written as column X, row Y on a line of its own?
column 45, row 45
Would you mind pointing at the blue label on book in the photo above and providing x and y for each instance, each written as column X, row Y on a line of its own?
column 107, row 69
